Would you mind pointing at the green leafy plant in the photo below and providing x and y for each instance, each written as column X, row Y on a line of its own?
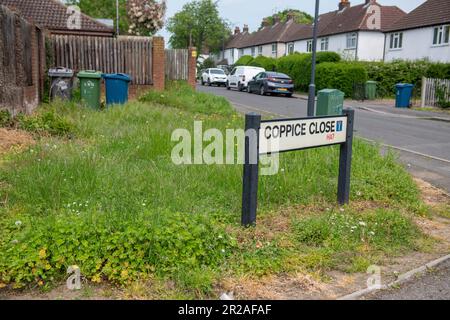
column 340, row 76
column 244, row 61
column 5, row 118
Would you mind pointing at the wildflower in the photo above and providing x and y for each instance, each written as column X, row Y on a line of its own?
column 15, row 241
column 341, row 209
column 361, row 223
column 18, row 223
column 372, row 233
column 223, row 250
column 359, row 193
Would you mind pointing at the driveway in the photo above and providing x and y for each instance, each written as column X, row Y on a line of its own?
column 423, row 145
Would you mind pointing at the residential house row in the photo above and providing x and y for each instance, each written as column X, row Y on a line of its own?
column 368, row 32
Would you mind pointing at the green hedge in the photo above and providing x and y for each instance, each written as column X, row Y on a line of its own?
column 388, row 74
column 340, row 76
column 244, row 61
column 298, row 66
column 270, row 64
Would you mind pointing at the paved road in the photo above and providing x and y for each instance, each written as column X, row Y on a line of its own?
column 434, row 285
column 423, row 145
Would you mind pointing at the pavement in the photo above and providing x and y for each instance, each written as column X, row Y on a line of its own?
column 433, row 285
column 421, row 141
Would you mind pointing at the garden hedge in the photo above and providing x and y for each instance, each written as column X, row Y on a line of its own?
column 340, row 76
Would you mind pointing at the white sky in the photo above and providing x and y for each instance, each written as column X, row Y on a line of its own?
column 251, row 12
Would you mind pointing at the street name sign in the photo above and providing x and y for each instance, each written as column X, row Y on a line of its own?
column 298, row 134
column 285, row 135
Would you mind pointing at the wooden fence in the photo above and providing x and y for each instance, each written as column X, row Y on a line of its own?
column 21, row 51
column 130, row 55
column 435, row 91
column 177, row 64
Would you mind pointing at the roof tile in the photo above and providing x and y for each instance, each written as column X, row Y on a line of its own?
column 52, row 15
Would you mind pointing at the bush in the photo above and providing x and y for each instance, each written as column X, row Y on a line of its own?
column 298, row 66
column 244, row 61
column 5, row 118
column 388, row 74
column 340, row 76
column 46, row 121
column 269, row 64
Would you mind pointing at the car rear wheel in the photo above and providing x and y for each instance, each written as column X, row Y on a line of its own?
column 209, row 82
column 240, row 87
column 228, row 86
column 262, row 91
column 248, row 89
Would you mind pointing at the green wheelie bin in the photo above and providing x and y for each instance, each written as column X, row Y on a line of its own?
column 90, row 85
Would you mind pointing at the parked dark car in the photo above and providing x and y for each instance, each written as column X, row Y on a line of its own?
column 271, row 83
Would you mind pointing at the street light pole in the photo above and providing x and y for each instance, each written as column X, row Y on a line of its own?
column 312, row 86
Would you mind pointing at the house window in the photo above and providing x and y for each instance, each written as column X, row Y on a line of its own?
column 441, row 35
column 352, row 39
column 241, row 52
column 396, row 41
column 309, row 46
column 232, row 54
column 253, row 51
column 260, row 51
column 291, row 48
column 324, row 44
column 274, row 50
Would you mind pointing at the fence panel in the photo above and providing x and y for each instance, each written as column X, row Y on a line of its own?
column 125, row 54
column 177, row 64
column 435, row 91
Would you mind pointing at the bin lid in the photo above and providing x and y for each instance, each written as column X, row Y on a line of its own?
column 331, row 92
column 117, row 76
column 404, row 85
column 89, row 74
column 372, row 82
column 60, row 72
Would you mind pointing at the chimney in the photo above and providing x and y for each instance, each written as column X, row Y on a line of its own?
column 344, row 4
column 290, row 16
column 276, row 19
column 237, row 30
column 245, row 29
column 265, row 22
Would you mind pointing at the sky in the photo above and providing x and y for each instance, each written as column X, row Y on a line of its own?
column 251, row 12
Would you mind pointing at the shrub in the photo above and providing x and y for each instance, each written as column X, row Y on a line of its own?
column 244, row 61
column 46, row 121
column 269, row 64
column 5, row 118
column 298, row 66
column 340, row 76
column 388, row 74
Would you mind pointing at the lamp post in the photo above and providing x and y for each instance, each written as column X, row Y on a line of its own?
column 312, row 86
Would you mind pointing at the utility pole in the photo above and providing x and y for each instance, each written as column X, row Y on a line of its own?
column 312, row 86
column 117, row 18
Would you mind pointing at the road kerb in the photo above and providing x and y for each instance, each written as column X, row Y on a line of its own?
column 402, row 116
column 400, row 279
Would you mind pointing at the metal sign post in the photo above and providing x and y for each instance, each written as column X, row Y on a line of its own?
column 285, row 135
column 250, row 180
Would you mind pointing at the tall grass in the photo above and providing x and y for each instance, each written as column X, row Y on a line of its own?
column 117, row 175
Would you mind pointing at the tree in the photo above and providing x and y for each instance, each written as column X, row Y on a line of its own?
column 299, row 17
column 104, row 9
column 146, row 16
column 198, row 24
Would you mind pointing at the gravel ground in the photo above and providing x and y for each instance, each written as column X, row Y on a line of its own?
column 433, row 285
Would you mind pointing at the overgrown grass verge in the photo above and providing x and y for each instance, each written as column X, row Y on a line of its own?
column 111, row 201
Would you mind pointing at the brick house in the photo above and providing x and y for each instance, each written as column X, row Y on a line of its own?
column 56, row 18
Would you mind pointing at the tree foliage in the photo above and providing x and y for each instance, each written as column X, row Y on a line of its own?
column 299, row 17
column 198, row 24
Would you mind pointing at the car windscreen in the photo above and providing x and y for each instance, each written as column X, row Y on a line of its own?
column 216, row 71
